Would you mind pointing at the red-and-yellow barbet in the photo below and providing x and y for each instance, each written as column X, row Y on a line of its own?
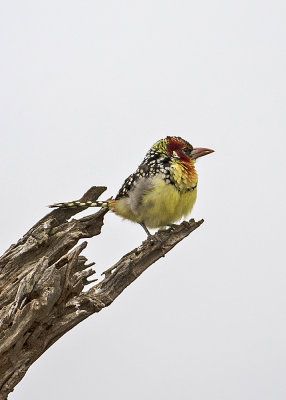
column 161, row 191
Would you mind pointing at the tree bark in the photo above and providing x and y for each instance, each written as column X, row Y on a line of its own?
column 42, row 278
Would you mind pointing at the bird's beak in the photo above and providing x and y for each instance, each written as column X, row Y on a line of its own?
column 199, row 152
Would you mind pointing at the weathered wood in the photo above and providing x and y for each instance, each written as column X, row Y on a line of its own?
column 42, row 278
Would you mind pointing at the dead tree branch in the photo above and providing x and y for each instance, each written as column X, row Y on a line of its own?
column 42, row 278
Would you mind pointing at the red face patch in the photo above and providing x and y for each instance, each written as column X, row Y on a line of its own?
column 176, row 148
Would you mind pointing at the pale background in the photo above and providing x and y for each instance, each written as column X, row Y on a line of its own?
column 86, row 88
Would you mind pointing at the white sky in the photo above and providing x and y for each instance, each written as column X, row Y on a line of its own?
column 86, row 88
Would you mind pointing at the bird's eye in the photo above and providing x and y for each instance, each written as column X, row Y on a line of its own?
column 187, row 151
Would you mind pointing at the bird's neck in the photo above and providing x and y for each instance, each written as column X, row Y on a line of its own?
column 184, row 176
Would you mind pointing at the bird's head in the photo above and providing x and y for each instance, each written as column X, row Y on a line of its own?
column 180, row 150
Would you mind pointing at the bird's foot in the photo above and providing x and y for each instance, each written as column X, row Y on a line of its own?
column 172, row 226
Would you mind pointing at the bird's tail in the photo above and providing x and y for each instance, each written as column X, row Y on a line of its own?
column 82, row 204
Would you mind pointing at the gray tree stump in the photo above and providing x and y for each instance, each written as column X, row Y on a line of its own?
column 42, row 278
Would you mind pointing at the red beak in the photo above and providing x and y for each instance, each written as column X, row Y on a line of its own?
column 199, row 152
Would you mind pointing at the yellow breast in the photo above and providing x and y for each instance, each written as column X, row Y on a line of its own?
column 165, row 205
column 161, row 205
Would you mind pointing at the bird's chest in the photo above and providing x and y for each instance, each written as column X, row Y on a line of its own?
column 163, row 204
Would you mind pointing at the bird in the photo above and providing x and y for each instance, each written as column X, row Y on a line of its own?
column 161, row 191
